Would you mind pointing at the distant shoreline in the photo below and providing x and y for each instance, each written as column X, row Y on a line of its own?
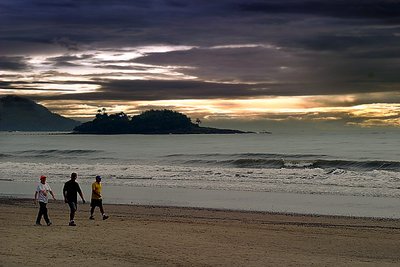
column 160, row 133
column 78, row 133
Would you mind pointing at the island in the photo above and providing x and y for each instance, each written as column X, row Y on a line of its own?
column 149, row 122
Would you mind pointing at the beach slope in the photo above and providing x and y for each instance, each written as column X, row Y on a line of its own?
column 169, row 236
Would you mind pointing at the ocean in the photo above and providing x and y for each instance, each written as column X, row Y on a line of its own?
column 356, row 174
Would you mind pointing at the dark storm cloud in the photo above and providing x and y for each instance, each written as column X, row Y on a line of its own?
column 71, row 23
column 67, row 43
column 141, row 90
column 291, row 73
column 354, row 9
column 363, row 43
column 245, row 64
column 68, row 24
column 315, row 47
column 155, row 90
column 13, row 63
column 36, row 86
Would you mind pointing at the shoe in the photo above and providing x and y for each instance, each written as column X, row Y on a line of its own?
column 49, row 223
column 105, row 217
column 72, row 223
column 91, row 218
column 38, row 224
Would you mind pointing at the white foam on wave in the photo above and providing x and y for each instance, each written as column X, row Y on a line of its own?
column 311, row 181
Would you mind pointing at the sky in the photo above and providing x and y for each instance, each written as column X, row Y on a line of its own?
column 241, row 63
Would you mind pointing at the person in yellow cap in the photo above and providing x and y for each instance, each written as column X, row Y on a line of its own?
column 97, row 200
column 41, row 195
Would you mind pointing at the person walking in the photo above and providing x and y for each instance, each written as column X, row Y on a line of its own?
column 97, row 200
column 41, row 195
column 70, row 192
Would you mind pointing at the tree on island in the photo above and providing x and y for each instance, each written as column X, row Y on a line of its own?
column 148, row 122
column 198, row 121
column 161, row 121
column 104, row 123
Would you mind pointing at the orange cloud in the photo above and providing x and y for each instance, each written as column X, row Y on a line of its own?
column 276, row 108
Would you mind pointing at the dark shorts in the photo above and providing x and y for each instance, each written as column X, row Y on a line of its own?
column 96, row 203
column 73, row 206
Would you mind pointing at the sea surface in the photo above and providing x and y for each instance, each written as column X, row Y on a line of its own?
column 244, row 168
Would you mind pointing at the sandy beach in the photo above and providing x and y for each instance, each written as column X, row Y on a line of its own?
column 170, row 236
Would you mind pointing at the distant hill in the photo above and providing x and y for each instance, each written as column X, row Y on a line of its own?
column 149, row 122
column 21, row 114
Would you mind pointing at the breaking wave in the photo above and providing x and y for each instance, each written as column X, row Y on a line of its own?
column 319, row 163
column 59, row 152
column 49, row 153
column 294, row 162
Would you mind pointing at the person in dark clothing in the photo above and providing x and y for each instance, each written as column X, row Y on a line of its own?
column 70, row 191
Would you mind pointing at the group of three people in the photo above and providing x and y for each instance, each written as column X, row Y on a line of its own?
column 70, row 191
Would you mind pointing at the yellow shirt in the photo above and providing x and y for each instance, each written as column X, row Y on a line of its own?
column 96, row 188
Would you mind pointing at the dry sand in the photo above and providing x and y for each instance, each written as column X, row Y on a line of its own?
column 169, row 236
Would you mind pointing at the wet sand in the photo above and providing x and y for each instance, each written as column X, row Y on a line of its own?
column 171, row 236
